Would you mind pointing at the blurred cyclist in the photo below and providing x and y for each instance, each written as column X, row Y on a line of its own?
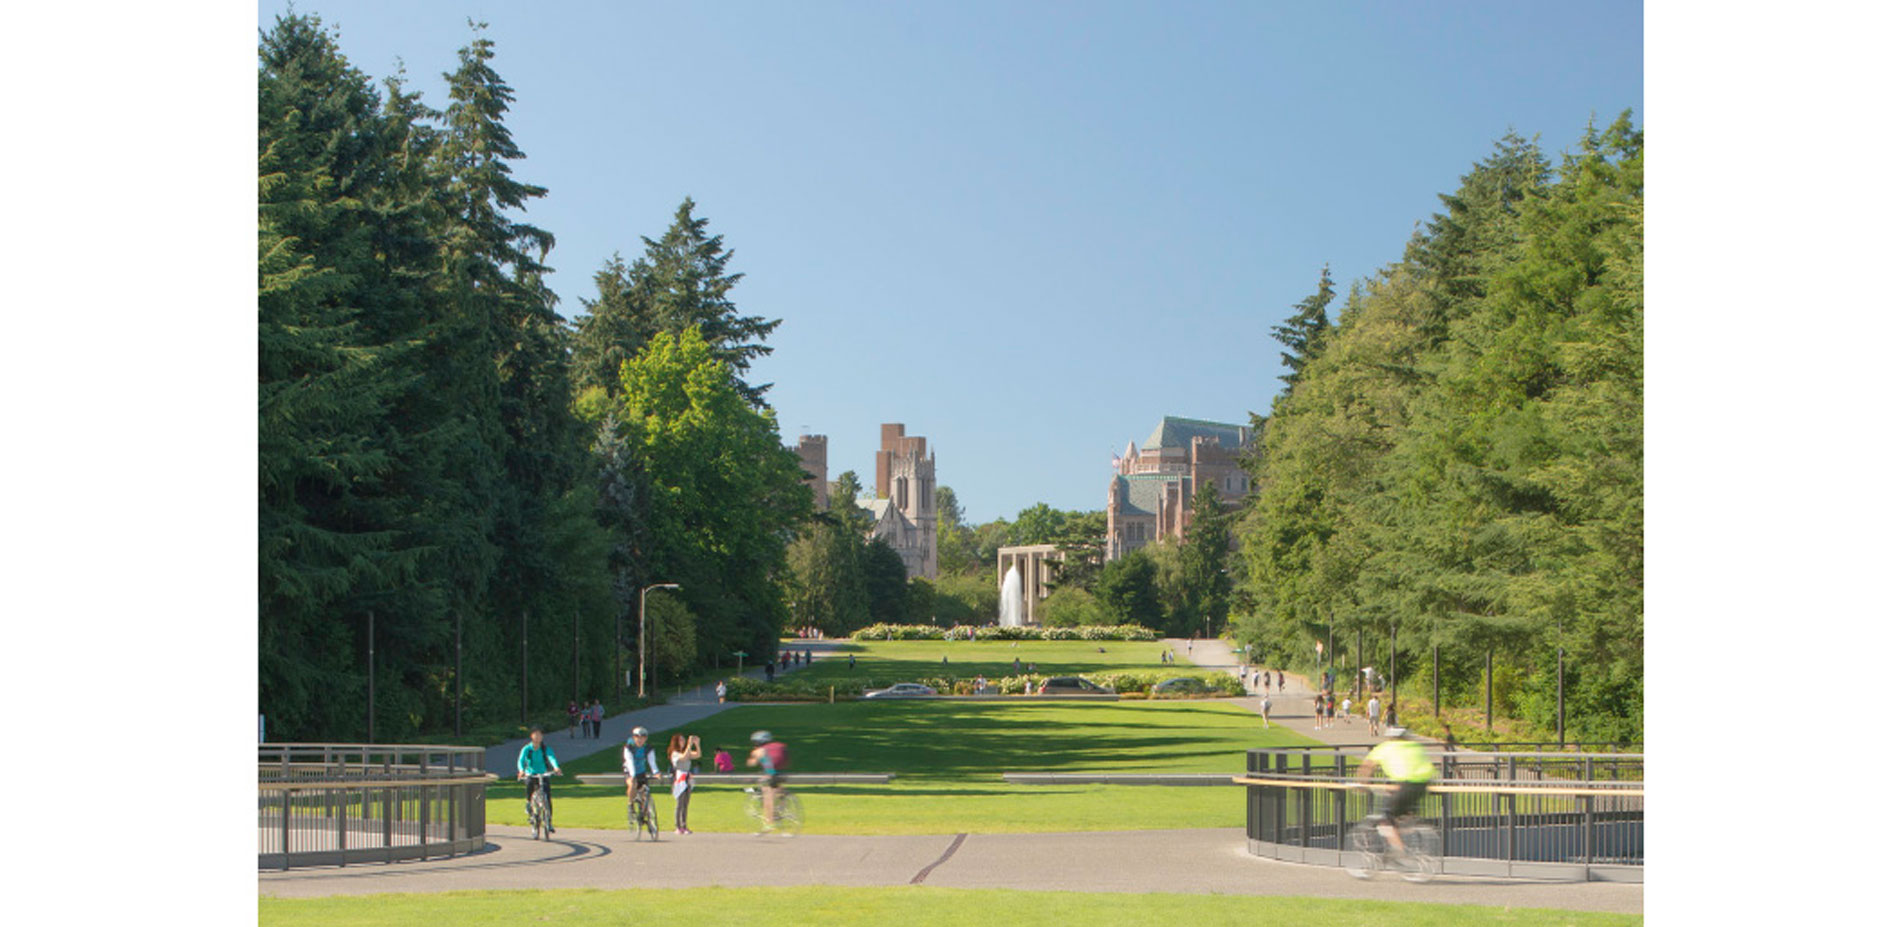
column 1402, row 760
column 770, row 755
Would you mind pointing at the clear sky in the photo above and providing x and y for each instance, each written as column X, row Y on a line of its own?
column 1027, row 231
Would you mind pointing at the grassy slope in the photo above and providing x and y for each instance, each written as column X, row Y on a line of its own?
column 844, row 907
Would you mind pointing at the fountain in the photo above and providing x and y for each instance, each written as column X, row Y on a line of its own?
column 1009, row 611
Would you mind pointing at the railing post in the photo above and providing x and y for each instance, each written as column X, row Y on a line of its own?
column 1510, row 814
column 1589, row 815
column 286, row 829
column 342, row 825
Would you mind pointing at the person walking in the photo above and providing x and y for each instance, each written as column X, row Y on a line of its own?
column 600, row 714
column 573, row 719
column 1345, row 709
column 720, row 690
column 1372, row 716
column 1319, row 711
column 1282, row 675
column 681, row 752
column 1332, row 708
column 1266, row 709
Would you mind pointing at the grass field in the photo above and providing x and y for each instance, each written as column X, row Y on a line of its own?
column 900, row 661
column 956, row 750
column 845, row 907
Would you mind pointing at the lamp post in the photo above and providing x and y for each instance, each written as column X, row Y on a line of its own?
column 643, row 631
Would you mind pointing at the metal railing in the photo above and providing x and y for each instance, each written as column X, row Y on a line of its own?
column 336, row 804
column 1566, row 815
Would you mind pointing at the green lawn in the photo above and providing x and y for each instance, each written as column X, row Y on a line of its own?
column 957, row 750
column 899, row 661
column 844, row 907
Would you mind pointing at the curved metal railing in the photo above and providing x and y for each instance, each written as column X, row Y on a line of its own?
column 335, row 804
column 1561, row 815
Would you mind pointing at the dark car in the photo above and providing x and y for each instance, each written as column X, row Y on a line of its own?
column 902, row 690
column 1070, row 685
column 1182, row 685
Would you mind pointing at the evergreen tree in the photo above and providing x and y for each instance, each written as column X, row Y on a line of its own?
column 844, row 507
column 1304, row 334
column 1127, row 591
column 885, row 581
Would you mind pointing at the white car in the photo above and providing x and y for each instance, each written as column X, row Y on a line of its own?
column 902, row 690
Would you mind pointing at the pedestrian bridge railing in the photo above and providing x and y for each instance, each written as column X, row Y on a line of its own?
column 1539, row 815
column 335, row 804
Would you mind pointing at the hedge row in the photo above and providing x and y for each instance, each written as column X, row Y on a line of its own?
column 964, row 632
column 1127, row 683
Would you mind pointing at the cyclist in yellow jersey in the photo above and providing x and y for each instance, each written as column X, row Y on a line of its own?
column 1403, row 760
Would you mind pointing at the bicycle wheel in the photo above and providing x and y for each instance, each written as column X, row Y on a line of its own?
column 633, row 817
column 538, row 817
column 791, row 814
column 1364, row 850
column 755, row 809
column 648, row 819
column 1425, row 850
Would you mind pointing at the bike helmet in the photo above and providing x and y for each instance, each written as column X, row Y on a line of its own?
column 639, row 732
column 761, row 737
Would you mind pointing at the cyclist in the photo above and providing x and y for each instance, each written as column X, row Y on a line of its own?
column 770, row 755
column 537, row 760
column 1403, row 760
column 637, row 761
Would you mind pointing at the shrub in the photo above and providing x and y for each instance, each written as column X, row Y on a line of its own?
column 964, row 632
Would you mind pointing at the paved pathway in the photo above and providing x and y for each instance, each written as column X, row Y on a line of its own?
column 1292, row 708
column 1189, row 861
column 685, row 707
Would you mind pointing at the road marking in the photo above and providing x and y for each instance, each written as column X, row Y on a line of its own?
column 947, row 853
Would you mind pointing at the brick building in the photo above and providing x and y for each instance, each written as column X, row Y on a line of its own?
column 1152, row 492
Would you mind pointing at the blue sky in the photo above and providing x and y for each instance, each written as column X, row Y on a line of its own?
column 1027, row 231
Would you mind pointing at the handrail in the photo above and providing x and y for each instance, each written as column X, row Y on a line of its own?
column 1608, row 788
column 311, row 785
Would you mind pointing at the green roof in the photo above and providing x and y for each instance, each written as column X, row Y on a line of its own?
column 1181, row 432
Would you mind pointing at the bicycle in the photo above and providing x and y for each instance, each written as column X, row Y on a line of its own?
column 539, row 814
column 1367, row 851
column 789, row 811
column 640, row 816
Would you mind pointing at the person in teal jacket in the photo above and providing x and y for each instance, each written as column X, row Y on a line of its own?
column 536, row 759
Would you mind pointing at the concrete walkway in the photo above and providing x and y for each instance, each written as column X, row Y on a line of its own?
column 685, row 707
column 1293, row 708
column 1189, row 861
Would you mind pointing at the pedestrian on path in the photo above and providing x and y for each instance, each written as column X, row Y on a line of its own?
column 1266, row 709
column 681, row 752
column 1372, row 716
column 1319, row 711
column 1392, row 714
column 1282, row 675
column 573, row 719
column 1345, row 708
column 600, row 714
column 1332, row 708
column 720, row 690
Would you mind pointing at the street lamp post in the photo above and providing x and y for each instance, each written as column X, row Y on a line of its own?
column 643, row 631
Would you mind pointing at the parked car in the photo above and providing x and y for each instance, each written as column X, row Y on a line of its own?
column 902, row 690
column 1070, row 685
column 1181, row 685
